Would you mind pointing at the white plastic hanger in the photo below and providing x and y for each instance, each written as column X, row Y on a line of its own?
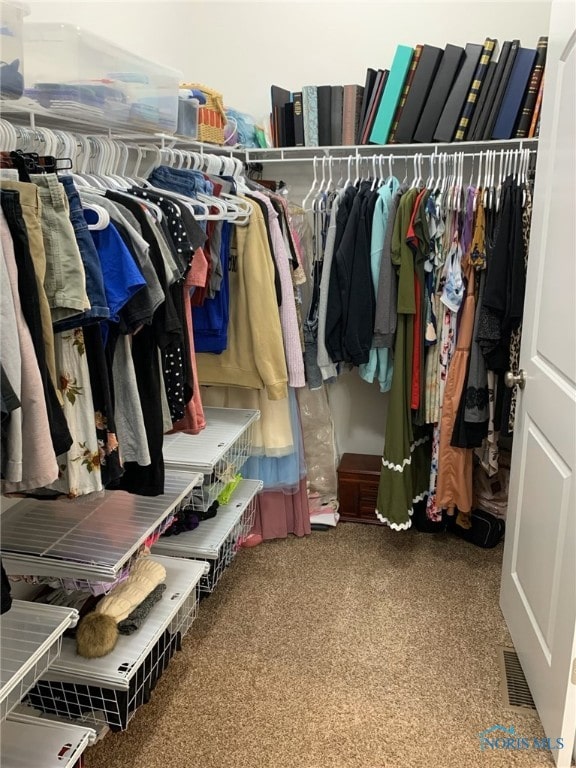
column 358, row 171
column 430, row 179
column 103, row 216
column 314, row 183
column 349, row 171
column 374, row 174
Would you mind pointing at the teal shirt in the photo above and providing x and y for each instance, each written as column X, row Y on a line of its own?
column 380, row 363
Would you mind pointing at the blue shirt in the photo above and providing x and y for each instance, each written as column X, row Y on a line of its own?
column 122, row 277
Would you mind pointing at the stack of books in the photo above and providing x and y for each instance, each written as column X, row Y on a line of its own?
column 427, row 95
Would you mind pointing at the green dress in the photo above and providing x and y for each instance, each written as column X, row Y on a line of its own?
column 406, row 457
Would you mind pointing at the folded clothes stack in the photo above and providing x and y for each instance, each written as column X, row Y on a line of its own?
column 190, row 517
column 122, row 611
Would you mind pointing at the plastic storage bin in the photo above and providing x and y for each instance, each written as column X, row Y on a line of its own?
column 77, row 74
column 11, row 49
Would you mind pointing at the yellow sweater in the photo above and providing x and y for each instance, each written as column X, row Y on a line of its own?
column 255, row 354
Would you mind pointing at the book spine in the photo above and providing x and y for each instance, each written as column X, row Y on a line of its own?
column 409, row 78
column 480, row 124
column 349, row 114
column 439, row 92
column 324, row 115
column 336, row 115
column 376, row 89
column 502, row 86
column 537, row 107
column 289, row 136
column 358, row 113
column 391, row 95
column 473, row 93
column 371, row 117
column 509, row 113
column 298, row 119
column 486, row 87
column 310, row 106
column 368, row 87
column 533, row 88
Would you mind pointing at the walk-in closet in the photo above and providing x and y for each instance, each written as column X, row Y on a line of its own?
column 288, row 357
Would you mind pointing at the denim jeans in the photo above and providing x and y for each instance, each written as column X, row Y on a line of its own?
column 90, row 259
column 182, row 182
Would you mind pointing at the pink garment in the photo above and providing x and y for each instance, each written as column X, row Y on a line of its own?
column 279, row 514
column 288, row 312
column 39, row 465
column 193, row 420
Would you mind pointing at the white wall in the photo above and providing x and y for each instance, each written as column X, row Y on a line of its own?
column 241, row 48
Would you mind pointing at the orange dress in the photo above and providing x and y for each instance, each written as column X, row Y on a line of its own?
column 454, row 487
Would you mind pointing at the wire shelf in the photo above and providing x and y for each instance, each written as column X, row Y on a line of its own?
column 216, row 541
column 219, row 452
column 30, row 641
column 28, row 741
column 111, row 689
column 88, row 539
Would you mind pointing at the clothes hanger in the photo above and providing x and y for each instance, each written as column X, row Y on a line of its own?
column 414, row 174
column 405, row 179
column 357, row 177
column 374, row 174
column 319, row 202
column 430, row 178
column 459, row 189
column 103, row 219
column 348, row 181
column 419, row 180
column 314, row 183
column 330, row 174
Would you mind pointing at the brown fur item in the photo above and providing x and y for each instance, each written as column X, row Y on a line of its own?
column 96, row 635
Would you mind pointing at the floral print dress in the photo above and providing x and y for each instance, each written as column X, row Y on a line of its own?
column 80, row 468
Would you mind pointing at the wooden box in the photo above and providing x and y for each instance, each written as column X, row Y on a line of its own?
column 358, row 478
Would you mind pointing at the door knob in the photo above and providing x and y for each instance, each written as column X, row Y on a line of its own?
column 515, row 379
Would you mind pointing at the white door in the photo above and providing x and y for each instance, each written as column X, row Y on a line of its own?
column 538, row 591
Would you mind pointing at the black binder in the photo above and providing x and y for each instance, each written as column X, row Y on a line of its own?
column 450, row 117
column 482, row 99
column 298, row 119
column 324, row 115
column 289, row 134
column 415, row 100
column 336, row 107
column 478, row 132
column 369, row 85
column 445, row 76
column 502, row 85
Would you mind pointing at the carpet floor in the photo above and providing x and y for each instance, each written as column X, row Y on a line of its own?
column 355, row 648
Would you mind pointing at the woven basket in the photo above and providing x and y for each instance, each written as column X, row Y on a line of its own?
column 211, row 116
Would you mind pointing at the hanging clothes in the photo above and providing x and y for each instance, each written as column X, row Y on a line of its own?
column 405, row 460
column 254, row 357
column 379, row 365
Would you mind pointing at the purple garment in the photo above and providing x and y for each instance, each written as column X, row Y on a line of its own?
column 287, row 309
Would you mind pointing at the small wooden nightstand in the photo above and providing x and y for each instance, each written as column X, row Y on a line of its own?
column 358, row 478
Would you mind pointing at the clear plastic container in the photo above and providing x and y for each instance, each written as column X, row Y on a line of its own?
column 11, row 49
column 77, row 74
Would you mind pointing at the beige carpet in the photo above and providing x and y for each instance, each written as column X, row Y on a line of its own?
column 356, row 648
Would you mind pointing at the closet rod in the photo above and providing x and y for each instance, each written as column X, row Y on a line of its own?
column 301, row 154
column 385, row 155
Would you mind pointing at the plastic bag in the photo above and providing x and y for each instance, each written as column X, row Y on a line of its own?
column 318, row 435
column 491, row 493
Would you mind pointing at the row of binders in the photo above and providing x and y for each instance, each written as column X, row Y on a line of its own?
column 429, row 94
